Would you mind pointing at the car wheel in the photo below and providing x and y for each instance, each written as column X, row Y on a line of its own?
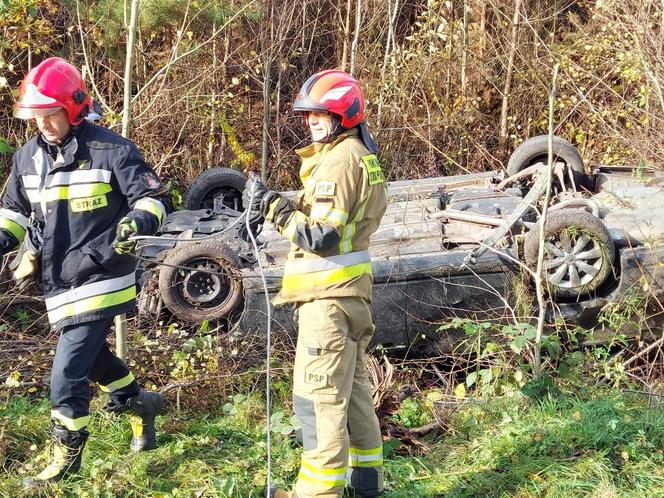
column 207, row 288
column 224, row 184
column 536, row 150
column 578, row 252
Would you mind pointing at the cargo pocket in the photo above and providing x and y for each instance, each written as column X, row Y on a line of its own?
column 78, row 266
column 109, row 260
column 320, row 362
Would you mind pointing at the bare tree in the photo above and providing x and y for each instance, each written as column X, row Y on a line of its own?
column 356, row 35
column 507, row 88
column 121, row 320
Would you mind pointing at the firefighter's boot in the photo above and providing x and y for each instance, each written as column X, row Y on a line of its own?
column 280, row 493
column 66, row 453
column 143, row 409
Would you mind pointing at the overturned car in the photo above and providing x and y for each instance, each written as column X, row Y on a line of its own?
column 447, row 247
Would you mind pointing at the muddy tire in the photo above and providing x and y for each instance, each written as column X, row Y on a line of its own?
column 225, row 184
column 578, row 252
column 212, row 294
column 536, row 149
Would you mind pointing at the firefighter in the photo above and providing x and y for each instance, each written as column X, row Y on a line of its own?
column 328, row 277
column 76, row 193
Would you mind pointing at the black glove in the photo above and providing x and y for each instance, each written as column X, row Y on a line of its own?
column 262, row 196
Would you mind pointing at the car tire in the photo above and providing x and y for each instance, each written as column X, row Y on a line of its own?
column 215, row 183
column 536, row 150
column 579, row 252
column 196, row 296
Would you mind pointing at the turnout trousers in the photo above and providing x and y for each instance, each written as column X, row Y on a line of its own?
column 83, row 356
column 332, row 399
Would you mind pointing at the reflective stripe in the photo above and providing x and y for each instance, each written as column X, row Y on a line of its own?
column 324, row 477
column 365, row 458
column 64, row 178
column 92, row 304
column 300, row 266
column 14, row 216
column 152, row 206
column 328, row 277
column 75, row 191
column 346, row 243
column 90, row 290
column 79, row 176
column 270, row 212
column 73, row 424
column 67, row 185
column 30, row 181
column 291, row 225
column 33, row 196
column 91, row 297
column 321, row 211
column 13, row 222
column 118, row 384
column 68, row 192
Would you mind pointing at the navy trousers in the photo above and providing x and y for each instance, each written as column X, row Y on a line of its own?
column 83, row 356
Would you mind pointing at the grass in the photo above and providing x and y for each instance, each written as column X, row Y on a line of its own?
column 596, row 443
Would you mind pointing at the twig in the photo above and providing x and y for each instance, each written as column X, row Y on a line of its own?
column 638, row 355
column 425, row 429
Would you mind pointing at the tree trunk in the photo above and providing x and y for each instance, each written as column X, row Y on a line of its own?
column 213, row 102
column 344, row 55
column 464, row 84
column 480, row 52
column 129, row 64
column 268, row 55
column 392, row 16
column 356, row 35
column 507, row 88
column 121, row 320
column 539, row 284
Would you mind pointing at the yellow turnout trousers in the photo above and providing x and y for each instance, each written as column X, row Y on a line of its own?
column 332, row 399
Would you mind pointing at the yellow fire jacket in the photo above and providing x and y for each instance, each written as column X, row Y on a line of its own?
column 344, row 188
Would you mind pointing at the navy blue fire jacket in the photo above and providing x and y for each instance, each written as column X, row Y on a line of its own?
column 78, row 192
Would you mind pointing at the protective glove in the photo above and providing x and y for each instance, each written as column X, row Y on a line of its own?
column 125, row 229
column 262, row 196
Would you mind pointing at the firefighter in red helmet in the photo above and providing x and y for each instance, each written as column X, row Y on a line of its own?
column 75, row 195
column 328, row 277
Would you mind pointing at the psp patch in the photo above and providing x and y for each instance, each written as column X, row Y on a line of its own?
column 151, row 181
column 325, row 189
column 315, row 378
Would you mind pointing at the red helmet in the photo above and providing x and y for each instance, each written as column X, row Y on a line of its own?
column 335, row 92
column 49, row 86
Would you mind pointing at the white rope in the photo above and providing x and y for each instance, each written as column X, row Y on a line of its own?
column 268, row 372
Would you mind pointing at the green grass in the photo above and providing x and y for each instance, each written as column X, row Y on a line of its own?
column 598, row 444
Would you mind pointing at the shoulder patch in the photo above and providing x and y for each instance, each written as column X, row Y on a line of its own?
column 373, row 168
column 151, row 181
column 326, row 189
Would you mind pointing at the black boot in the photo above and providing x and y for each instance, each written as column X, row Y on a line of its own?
column 65, row 456
column 144, row 408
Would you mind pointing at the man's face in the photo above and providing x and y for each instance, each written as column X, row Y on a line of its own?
column 320, row 125
column 55, row 127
